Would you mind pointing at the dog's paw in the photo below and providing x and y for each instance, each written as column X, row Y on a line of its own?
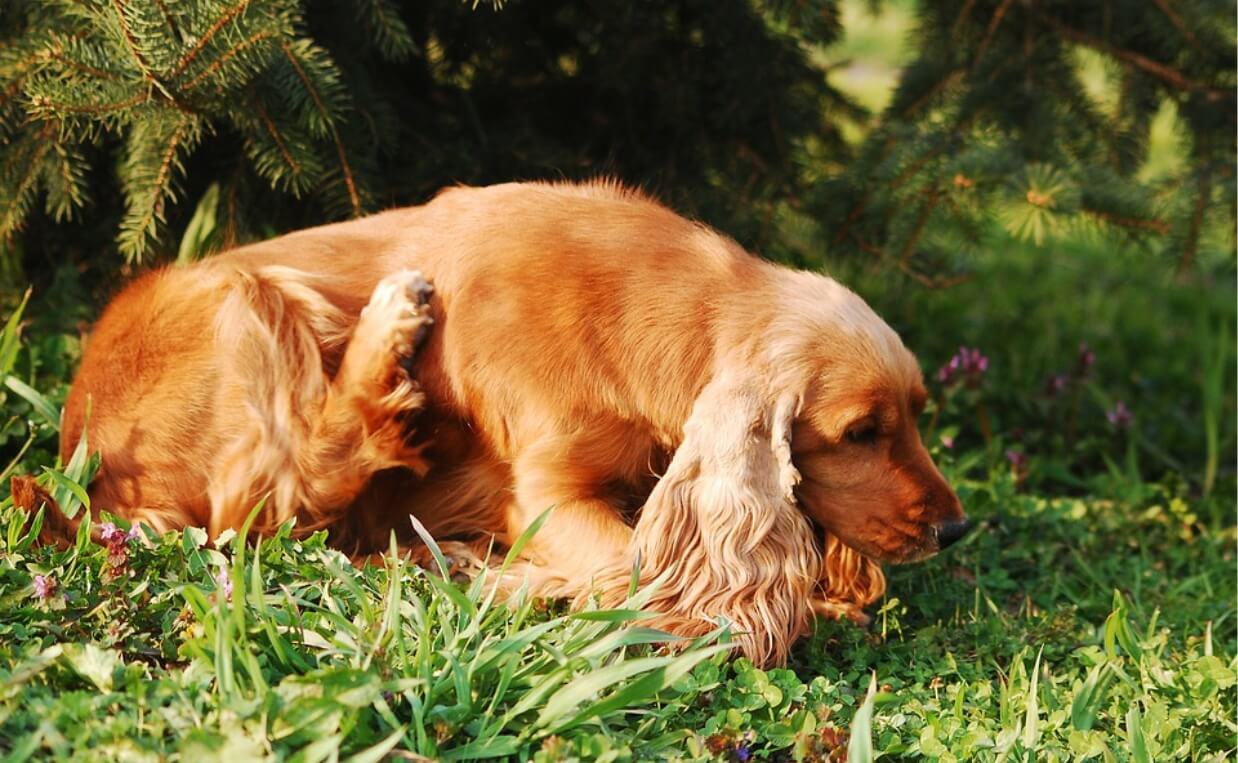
column 390, row 330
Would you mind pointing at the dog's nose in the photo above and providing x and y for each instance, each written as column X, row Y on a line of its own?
column 948, row 533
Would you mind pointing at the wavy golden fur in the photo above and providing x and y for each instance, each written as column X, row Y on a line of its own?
column 745, row 431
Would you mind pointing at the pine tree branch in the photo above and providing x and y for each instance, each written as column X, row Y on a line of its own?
column 130, row 41
column 227, row 56
column 1202, row 197
column 167, row 19
column 926, row 209
column 1163, row 72
column 271, row 129
column 58, row 54
column 961, row 19
column 1178, row 23
column 209, row 35
column 1151, row 225
column 994, row 23
column 91, row 108
column 353, row 197
column 158, row 189
column 22, row 70
column 10, row 220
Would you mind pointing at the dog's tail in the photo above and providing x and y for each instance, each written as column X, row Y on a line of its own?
column 272, row 329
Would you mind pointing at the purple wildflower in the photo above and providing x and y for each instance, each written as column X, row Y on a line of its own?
column 225, row 583
column 44, row 586
column 742, row 753
column 109, row 533
column 1017, row 458
column 1086, row 359
column 968, row 365
column 1120, row 417
column 1056, row 385
column 117, row 542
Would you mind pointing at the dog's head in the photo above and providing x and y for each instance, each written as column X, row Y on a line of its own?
column 863, row 473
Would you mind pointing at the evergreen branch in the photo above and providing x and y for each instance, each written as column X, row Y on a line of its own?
column 130, row 41
column 1163, row 72
column 1178, row 23
column 942, row 282
column 1152, row 225
column 926, row 209
column 90, row 108
column 12, row 89
column 1202, row 197
column 11, row 218
column 951, row 78
column 994, row 23
column 353, row 197
column 962, row 18
column 22, row 69
column 153, row 190
column 193, row 53
column 932, row 282
column 167, row 18
column 273, row 131
column 227, row 56
column 59, row 55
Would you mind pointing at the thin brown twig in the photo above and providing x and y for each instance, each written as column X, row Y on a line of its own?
column 1191, row 246
column 994, row 23
column 926, row 209
column 959, row 20
column 1151, row 225
column 1178, row 23
column 1163, row 72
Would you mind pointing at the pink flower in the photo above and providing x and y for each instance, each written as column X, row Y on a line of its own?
column 109, row 533
column 117, row 542
column 1085, row 359
column 1017, row 458
column 1056, row 384
column 968, row 365
column 947, row 441
column 224, row 582
column 1120, row 417
column 44, row 586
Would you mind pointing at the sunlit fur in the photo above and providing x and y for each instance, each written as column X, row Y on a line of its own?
column 679, row 402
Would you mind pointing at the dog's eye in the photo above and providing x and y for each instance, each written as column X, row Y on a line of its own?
column 863, row 434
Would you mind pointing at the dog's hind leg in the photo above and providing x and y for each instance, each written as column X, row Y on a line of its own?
column 308, row 444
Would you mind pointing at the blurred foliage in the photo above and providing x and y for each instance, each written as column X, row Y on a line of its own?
column 116, row 119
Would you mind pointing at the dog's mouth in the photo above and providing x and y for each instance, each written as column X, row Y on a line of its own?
column 914, row 548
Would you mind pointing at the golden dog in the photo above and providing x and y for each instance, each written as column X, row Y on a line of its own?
column 744, row 432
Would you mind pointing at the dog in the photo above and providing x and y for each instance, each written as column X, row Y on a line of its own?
column 744, row 433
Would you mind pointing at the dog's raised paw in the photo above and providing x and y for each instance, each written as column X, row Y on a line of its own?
column 392, row 327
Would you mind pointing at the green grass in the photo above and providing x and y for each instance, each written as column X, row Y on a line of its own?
column 1066, row 628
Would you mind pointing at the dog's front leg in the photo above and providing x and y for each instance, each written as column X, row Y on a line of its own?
column 584, row 533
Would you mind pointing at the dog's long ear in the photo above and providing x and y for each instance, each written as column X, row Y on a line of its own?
column 721, row 528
